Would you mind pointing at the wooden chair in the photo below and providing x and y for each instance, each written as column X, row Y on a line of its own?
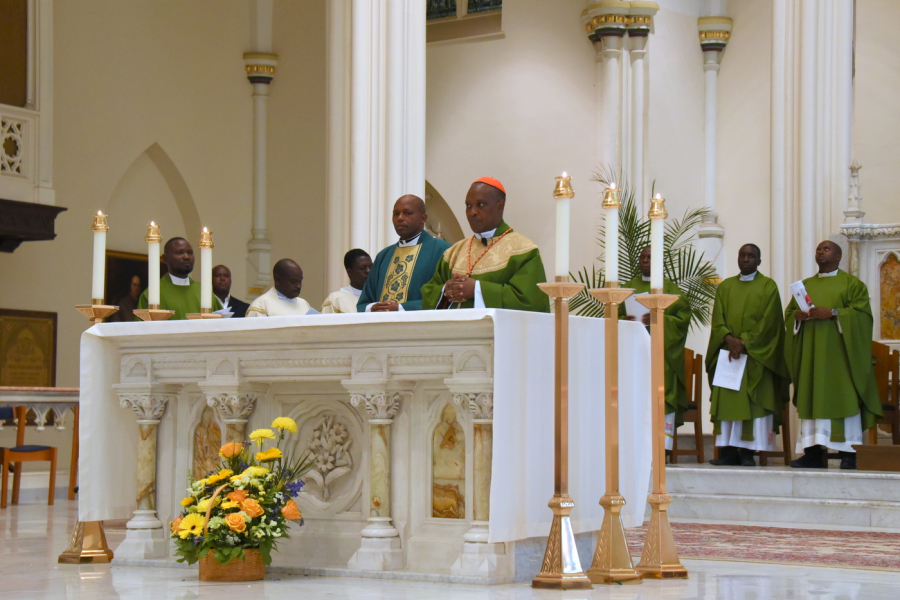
column 693, row 379
column 887, row 375
column 23, row 453
column 785, row 451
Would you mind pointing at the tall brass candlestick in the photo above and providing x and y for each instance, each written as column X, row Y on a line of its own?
column 612, row 561
column 659, row 560
column 561, row 568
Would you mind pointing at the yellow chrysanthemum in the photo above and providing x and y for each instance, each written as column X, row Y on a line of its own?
column 256, row 471
column 187, row 501
column 285, row 423
column 228, row 504
column 221, row 475
column 259, row 435
column 191, row 525
column 270, row 454
column 203, row 505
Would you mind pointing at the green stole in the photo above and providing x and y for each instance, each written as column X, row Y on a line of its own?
column 832, row 371
column 183, row 299
column 508, row 270
column 751, row 312
column 677, row 323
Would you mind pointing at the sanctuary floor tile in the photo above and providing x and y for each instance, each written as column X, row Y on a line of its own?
column 33, row 535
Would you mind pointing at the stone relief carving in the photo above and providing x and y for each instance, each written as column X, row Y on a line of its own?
column 448, row 467
column 379, row 405
column 481, row 405
column 147, row 407
column 232, row 407
column 207, row 439
column 330, row 444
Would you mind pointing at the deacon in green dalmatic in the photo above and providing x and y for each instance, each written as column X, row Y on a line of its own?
column 495, row 268
column 829, row 354
column 400, row 270
column 747, row 320
column 177, row 291
column 676, row 325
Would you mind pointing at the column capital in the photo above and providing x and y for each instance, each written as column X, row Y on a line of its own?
column 477, row 394
column 605, row 19
column 714, row 35
column 260, row 66
column 233, row 403
column 148, row 401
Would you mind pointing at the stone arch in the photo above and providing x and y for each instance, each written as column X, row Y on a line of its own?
column 441, row 219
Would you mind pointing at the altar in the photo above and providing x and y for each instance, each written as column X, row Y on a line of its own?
column 433, row 430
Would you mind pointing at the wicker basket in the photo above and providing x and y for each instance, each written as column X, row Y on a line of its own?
column 251, row 568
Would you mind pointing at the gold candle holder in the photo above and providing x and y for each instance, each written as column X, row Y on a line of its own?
column 153, row 313
column 206, row 241
column 612, row 562
column 659, row 559
column 561, row 568
column 96, row 311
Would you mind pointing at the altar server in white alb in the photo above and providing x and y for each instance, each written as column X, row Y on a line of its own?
column 283, row 299
column 357, row 263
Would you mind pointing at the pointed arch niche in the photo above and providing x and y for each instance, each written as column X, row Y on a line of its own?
column 151, row 189
column 442, row 222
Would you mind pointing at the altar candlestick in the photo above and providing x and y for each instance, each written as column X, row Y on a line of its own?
column 611, row 205
column 153, row 239
column 657, row 216
column 206, row 291
column 562, row 194
column 99, row 276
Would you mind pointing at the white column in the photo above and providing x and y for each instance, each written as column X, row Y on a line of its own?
column 779, row 218
column 640, row 23
column 842, row 47
column 806, row 208
column 714, row 35
column 260, row 67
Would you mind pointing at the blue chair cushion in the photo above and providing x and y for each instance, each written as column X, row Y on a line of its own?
column 7, row 413
column 30, row 448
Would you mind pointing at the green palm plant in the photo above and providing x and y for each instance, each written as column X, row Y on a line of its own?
column 682, row 264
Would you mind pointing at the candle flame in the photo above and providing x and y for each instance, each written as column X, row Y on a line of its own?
column 152, row 224
column 564, row 174
column 99, row 213
column 613, row 186
column 205, row 230
column 657, row 196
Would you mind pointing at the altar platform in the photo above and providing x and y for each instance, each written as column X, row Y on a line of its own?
column 433, row 433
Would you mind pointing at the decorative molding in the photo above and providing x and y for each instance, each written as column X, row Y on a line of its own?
column 232, row 407
column 148, row 407
column 330, row 445
column 481, row 404
column 178, row 365
column 283, row 363
column 25, row 222
column 381, row 406
column 866, row 232
column 420, row 361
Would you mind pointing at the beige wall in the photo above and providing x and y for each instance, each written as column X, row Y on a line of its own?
column 876, row 143
column 153, row 119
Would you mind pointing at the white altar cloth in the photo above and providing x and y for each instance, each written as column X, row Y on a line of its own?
column 522, row 481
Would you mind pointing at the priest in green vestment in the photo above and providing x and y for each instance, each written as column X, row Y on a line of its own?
column 747, row 321
column 829, row 354
column 177, row 291
column 494, row 268
column 399, row 271
column 677, row 323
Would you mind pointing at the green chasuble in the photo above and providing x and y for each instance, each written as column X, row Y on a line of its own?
column 508, row 269
column 831, row 360
column 751, row 312
column 677, row 323
column 183, row 299
column 398, row 274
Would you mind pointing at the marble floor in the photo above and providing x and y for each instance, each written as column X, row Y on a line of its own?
column 33, row 535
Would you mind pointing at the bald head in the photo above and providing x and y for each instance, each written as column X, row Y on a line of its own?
column 409, row 216
column 288, row 278
column 828, row 256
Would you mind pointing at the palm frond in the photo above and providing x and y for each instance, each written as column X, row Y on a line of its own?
column 582, row 303
column 695, row 278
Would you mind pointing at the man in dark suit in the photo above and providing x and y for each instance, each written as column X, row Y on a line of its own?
column 222, row 289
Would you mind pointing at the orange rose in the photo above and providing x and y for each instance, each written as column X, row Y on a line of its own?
column 237, row 495
column 236, row 522
column 231, row 449
column 290, row 511
column 251, row 507
column 176, row 523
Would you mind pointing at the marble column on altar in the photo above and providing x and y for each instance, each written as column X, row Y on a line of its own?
column 145, row 536
column 233, row 403
column 479, row 557
column 379, row 548
column 714, row 34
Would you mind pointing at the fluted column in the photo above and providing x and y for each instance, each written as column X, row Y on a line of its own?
column 233, row 405
column 260, row 68
column 380, row 544
column 639, row 22
column 145, row 536
column 714, row 35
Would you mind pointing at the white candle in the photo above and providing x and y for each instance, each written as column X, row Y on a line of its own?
column 562, row 194
column 98, row 283
column 153, row 239
column 206, row 246
column 656, row 244
column 611, row 242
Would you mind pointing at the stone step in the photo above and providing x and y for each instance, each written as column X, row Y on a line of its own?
column 776, row 495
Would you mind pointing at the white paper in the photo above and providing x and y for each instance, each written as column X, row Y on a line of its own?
column 801, row 296
column 634, row 308
column 729, row 373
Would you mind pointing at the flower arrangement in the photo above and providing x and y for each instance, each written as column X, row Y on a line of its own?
column 246, row 503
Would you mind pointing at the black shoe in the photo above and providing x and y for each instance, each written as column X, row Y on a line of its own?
column 848, row 460
column 728, row 457
column 747, row 459
column 813, row 458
